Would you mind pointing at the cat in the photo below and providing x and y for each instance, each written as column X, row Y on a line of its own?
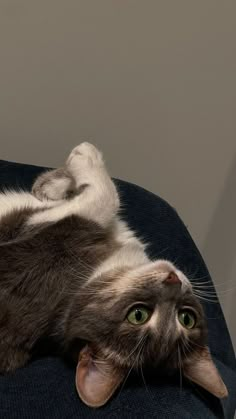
column 73, row 271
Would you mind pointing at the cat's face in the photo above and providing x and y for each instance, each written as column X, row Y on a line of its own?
column 147, row 317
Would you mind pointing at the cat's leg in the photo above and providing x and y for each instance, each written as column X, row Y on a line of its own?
column 15, row 201
column 96, row 199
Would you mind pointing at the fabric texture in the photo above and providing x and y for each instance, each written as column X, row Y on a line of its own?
column 45, row 388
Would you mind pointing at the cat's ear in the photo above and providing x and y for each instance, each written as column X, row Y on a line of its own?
column 95, row 382
column 201, row 369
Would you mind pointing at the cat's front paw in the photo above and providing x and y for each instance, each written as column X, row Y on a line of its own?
column 84, row 157
column 53, row 185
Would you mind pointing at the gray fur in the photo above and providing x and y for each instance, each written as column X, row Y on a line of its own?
column 39, row 274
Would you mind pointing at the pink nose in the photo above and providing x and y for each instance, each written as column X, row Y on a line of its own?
column 172, row 278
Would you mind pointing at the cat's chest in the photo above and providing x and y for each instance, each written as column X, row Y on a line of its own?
column 129, row 253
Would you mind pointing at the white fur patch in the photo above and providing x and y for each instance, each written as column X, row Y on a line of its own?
column 94, row 203
column 153, row 322
column 98, row 201
column 11, row 200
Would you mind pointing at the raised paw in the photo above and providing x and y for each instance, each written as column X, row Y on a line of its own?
column 84, row 157
column 53, row 185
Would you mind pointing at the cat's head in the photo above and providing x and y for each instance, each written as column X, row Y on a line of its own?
column 142, row 317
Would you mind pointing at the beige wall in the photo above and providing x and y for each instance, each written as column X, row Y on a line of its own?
column 153, row 83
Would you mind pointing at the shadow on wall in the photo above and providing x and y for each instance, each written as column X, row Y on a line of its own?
column 219, row 248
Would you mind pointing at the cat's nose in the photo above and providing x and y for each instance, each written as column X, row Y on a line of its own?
column 172, row 278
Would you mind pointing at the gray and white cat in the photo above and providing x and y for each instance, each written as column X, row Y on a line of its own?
column 71, row 270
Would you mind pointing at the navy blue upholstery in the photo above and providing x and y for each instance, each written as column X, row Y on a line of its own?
column 45, row 388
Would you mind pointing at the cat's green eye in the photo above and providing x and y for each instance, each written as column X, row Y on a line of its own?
column 187, row 318
column 138, row 315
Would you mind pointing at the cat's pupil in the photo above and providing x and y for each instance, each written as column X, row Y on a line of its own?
column 138, row 315
column 187, row 319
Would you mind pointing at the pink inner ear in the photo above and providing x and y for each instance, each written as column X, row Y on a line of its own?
column 202, row 371
column 95, row 383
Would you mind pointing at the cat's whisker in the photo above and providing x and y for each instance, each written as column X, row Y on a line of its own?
column 184, row 348
column 200, row 297
column 141, row 346
column 180, row 370
column 204, row 287
column 144, row 381
column 210, row 298
column 74, row 272
column 79, row 260
column 199, row 284
column 160, row 253
column 99, row 362
column 211, row 283
column 206, row 300
column 75, row 275
column 205, row 293
column 215, row 293
column 200, row 280
column 136, row 347
column 142, row 374
column 187, row 346
column 210, row 288
column 192, row 343
column 175, row 261
column 194, row 274
column 214, row 318
column 79, row 263
column 211, row 294
column 142, row 341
